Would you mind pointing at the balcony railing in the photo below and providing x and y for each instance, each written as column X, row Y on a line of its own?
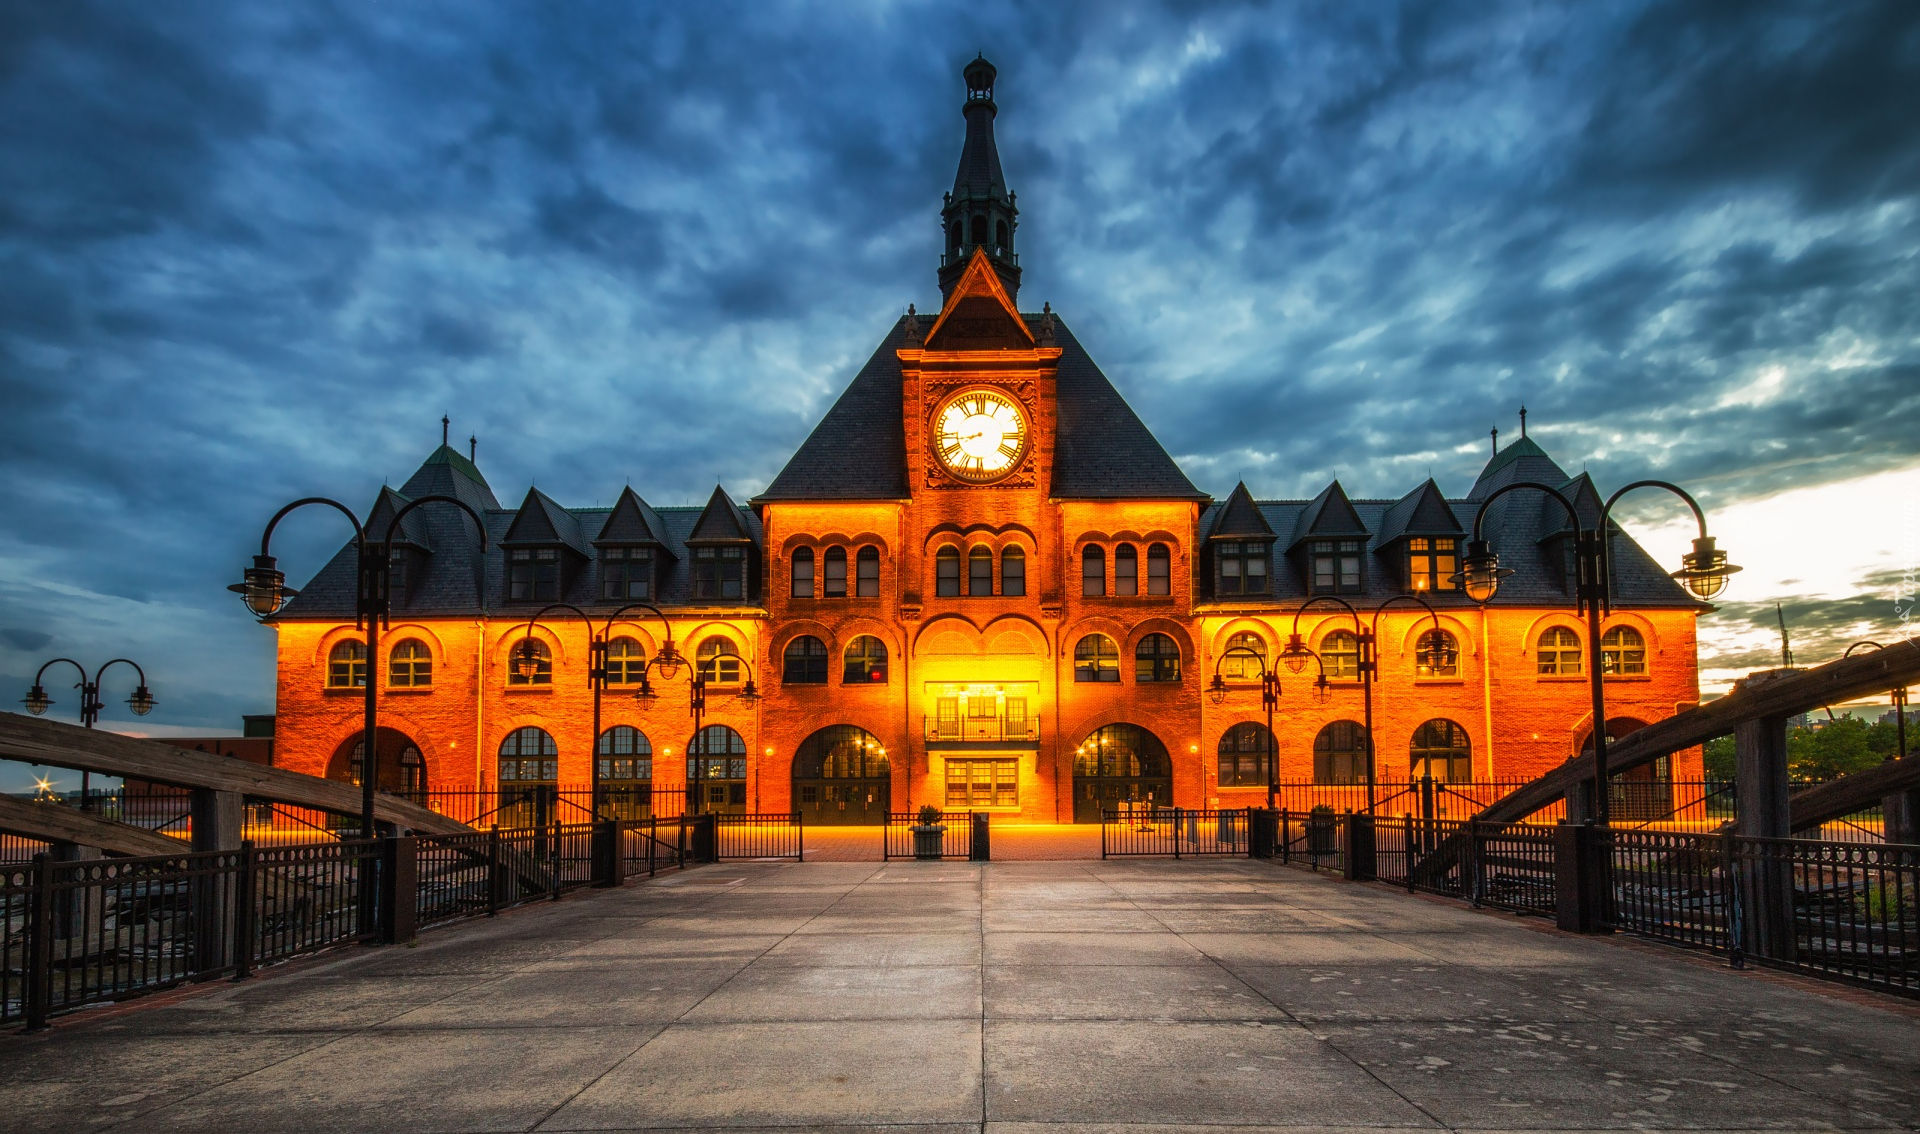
column 995, row 251
column 988, row 730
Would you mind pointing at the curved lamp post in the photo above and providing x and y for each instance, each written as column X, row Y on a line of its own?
column 1703, row 571
column 1269, row 699
column 1296, row 653
column 668, row 662
column 1438, row 657
column 263, row 587
column 37, row 702
column 526, row 662
column 1898, row 695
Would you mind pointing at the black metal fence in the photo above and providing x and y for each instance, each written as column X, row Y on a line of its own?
column 1173, row 831
column 775, row 836
column 1508, row 865
column 904, row 836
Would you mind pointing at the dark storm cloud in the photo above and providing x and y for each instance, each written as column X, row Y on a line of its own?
column 249, row 252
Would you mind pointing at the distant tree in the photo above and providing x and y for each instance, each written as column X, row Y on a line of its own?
column 1883, row 739
column 1719, row 758
column 1839, row 747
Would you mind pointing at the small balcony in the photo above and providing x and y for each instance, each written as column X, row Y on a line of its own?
column 1022, row 729
column 994, row 252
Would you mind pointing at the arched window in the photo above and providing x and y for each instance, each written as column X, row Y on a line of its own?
column 347, row 665
column 1437, row 654
column 528, row 755
column 413, row 775
column 840, row 752
column 866, row 662
column 719, row 661
column 953, row 237
column 1096, row 658
column 805, row 662
column 1126, row 570
column 717, row 770
column 979, row 572
column 1340, row 652
column 1623, row 652
column 834, row 578
column 946, row 572
column 1013, row 572
column 1238, row 666
column 623, row 764
column 1120, row 767
column 980, row 228
column 626, row 662
column 867, row 568
column 405, row 774
column 1159, row 569
column 1559, row 653
column 410, row 666
column 542, row 663
column 1156, row 658
column 1441, row 748
column 803, row 572
column 1340, row 754
column 1000, row 233
column 1093, row 572
column 1243, row 755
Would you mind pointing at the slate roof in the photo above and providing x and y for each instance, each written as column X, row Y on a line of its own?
column 859, row 450
column 1240, row 517
column 721, row 521
column 979, row 173
column 632, row 521
column 456, row 580
column 1520, row 526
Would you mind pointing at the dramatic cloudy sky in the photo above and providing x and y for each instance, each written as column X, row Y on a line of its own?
column 253, row 251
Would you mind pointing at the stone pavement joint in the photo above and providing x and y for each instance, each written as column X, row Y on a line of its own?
column 1038, row 997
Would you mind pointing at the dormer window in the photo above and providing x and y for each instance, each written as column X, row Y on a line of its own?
column 533, row 574
column 719, row 572
column 1335, row 566
column 1431, row 563
column 1242, row 568
column 626, row 573
column 399, row 577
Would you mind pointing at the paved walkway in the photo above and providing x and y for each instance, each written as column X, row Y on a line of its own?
column 1012, row 842
column 948, row 996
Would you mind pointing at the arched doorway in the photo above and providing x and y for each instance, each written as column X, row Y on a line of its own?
column 1120, row 764
column 1441, row 749
column 1641, row 793
column 403, row 770
column 716, row 772
column 529, row 778
column 623, row 767
column 841, row 776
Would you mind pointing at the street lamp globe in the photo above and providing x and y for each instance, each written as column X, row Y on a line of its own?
column 526, row 659
column 748, row 692
column 141, row 702
column 1322, row 690
column 263, row 587
column 37, row 701
column 668, row 661
column 1705, row 569
column 1217, row 690
column 1296, row 653
column 1480, row 572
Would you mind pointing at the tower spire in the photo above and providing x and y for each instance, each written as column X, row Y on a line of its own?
column 979, row 212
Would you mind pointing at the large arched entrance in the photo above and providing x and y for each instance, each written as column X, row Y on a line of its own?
column 716, row 772
column 403, row 771
column 841, row 776
column 1641, row 793
column 1121, row 764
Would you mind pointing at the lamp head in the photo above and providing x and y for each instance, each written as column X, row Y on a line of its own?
column 668, row 661
column 1217, row 690
column 1296, row 653
column 526, row 659
column 645, row 693
column 1480, row 572
column 1705, row 569
column 37, row 701
column 263, row 587
column 141, row 702
column 1322, row 690
column 748, row 692
column 1440, row 652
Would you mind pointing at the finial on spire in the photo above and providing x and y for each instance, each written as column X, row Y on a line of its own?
column 1495, row 431
column 1523, row 421
column 473, row 448
column 444, row 422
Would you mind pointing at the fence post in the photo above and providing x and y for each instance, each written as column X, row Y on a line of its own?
column 39, row 972
column 1286, row 836
column 1261, row 825
column 243, row 914
column 218, row 822
column 608, row 864
column 1415, row 859
column 1360, row 865
column 493, row 870
column 1730, row 895
column 1578, row 878
column 706, row 838
column 399, row 886
column 1476, row 872
column 981, row 844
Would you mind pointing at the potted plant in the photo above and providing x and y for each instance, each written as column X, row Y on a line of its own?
column 928, row 833
column 1321, row 827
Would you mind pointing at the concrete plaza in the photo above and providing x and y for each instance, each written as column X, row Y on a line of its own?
column 1017, row 996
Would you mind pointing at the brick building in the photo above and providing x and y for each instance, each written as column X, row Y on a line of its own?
column 980, row 583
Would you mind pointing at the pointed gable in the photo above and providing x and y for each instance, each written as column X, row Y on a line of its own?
column 413, row 526
column 721, row 521
column 632, row 522
column 542, row 521
column 1422, row 512
column 1240, row 518
column 979, row 314
column 1328, row 515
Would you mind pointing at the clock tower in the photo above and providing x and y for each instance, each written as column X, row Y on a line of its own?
column 979, row 214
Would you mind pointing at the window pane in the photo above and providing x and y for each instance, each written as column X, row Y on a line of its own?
column 979, row 572
column 1126, row 570
column 836, row 574
column 868, row 583
column 947, row 573
column 803, row 573
column 1013, row 572
column 1159, row 570
column 1093, row 572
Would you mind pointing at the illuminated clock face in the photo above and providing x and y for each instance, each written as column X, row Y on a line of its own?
column 979, row 435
